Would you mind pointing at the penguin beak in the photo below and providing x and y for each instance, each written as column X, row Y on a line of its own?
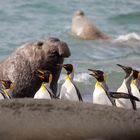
column 126, row 69
column 40, row 74
column 61, row 65
column 68, row 67
column 40, row 71
column 65, row 67
column 123, row 67
column 94, row 73
column 45, row 75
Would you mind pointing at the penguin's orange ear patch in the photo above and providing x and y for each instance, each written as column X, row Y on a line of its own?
column 50, row 78
column 104, row 76
column 139, row 75
column 11, row 86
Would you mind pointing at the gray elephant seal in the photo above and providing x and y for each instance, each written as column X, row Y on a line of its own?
column 83, row 28
column 19, row 66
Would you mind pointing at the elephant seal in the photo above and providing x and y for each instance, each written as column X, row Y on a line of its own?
column 19, row 66
column 83, row 28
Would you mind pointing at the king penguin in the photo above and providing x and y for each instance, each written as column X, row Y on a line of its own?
column 69, row 91
column 125, row 87
column 45, row 91
column 101, row 93
column 135, row 86
column 4, row 86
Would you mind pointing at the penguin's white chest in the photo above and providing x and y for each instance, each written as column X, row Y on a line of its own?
column 123, row 88
column 1, row 97
column 5, row 92
column 135, row 92
column 100, row 97
column 124, row 103
column 68, row 91
column 42, row 93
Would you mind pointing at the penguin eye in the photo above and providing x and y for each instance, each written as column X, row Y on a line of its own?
column 40, row 43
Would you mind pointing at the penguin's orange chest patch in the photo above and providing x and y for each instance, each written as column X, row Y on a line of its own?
column 98, row 85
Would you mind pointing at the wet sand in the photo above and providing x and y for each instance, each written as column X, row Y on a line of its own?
column 29, row 119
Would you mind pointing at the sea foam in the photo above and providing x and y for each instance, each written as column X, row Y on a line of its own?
column 80, row 77
column 128, row 37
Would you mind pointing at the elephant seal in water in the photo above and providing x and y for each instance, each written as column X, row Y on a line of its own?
column 83, row 28
column 19, row 66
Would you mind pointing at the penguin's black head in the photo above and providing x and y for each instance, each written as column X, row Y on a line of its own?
column 98, row 74
column 128, row 70
column 68, row 67
column 7, row 84
column 136, row 74
column 44, row 75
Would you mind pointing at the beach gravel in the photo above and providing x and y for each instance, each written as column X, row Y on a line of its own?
column 30, row 119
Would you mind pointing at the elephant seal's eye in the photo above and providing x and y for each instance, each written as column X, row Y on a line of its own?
column 39, row 44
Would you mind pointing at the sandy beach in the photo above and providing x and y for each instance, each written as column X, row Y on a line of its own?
column 29, row 119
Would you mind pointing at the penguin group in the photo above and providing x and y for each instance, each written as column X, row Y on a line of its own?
column 126, row 96
column 69, row 91
column 131, row 86
column 123, row 97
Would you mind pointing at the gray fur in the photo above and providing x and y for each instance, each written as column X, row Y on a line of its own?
column 19, row 66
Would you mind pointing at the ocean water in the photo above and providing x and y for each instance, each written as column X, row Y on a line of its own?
column 29, row 20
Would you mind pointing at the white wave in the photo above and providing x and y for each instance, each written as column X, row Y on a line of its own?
column 128, row 37
column 80, row 77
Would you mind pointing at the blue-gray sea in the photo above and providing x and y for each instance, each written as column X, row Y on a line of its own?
column 29, row 20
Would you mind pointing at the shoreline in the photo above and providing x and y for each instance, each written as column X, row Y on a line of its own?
column 30, row 119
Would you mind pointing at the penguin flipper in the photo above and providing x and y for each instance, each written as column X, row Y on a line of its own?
column 123, row 95
column 126, row 96
column 105, row 87
column 50, row 92
column 78, row 93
